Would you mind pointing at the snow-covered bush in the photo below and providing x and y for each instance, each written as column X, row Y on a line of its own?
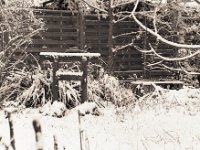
column 18, row 25
column 108, row 88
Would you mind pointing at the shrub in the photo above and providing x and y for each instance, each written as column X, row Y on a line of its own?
column 108, row 88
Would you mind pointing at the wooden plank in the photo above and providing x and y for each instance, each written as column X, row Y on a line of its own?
column 69, row 77
column 54, row 54
column 58, row 34
column 145, row 82
column 96, row 22
column 52, row 42
column 84, row 81
column 57, row 18
column 55, row 26
column 94, row 30
column 96, row 37
column 129, row 71
column 55, row 87
column 54, row 11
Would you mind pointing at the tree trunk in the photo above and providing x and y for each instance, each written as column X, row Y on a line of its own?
column 110, row 39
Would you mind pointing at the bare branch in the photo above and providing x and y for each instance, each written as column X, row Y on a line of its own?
column 124, row 3
column 126, row 34
column 197, row 1
column 187, row 72
column 174, row 59
column 97, row 8
column 156, row 63
column 122, row 47
column 155, row 20
column 171, row 68
column 158, row 36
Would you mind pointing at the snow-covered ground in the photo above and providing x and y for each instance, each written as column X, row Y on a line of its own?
column 175, row 128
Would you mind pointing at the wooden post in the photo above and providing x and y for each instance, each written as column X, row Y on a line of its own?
column 145, row 75
column 80, row 130
column 81, row 27
column 110, row 39
column 55, row 79
column 12, row 138
column 38, row 134
column 55, row 143
column 84, row 80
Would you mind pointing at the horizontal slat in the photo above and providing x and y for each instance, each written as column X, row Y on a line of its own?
column 68, row 73
column 96, row 22
column 144, row 82
column 69, row 77
column 52, row 42
column 54, row 11
column 57, row 18
column 59, row 34
column 52, row 26
column 70, row 54
column 57, row 49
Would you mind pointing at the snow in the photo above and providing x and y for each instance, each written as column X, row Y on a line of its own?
column 55, row 54
column 61, row 72
column 128, row 128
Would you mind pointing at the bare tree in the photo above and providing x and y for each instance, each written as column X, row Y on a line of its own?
column 183, row 24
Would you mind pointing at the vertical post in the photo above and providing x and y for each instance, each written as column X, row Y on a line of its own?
column 81, row 27
column 38, row 134
column 55, row 79
column 84, row 80
column 61, row 29
column 110, row 39
column 80, row 130
column 144, row 54
column 12, row 138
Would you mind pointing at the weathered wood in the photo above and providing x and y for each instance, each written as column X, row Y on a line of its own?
column 81, row 28
column 52, row 42
column 55, row 87
column 38, row 134
column 54, row 54
column 65, row 29
column 69, row 77
column 145, row 82
column 11, row 126
column 60, row 26
column 84, row 81
column 58, row 75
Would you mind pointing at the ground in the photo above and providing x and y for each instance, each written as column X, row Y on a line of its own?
column 173, row 127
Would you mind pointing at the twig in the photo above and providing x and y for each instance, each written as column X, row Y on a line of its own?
column 38, row 134
column 12, row 139
column 102, row 10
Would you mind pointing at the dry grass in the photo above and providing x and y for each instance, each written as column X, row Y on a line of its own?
column 107, row 88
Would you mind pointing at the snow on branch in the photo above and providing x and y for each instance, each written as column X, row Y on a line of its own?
column 95, row 7
column 159, row 37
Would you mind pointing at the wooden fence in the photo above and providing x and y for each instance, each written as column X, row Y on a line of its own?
column 65, row 29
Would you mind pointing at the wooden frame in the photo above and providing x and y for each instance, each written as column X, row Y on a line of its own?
column 83, row 58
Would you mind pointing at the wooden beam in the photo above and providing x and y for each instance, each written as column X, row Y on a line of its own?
column 55, row 54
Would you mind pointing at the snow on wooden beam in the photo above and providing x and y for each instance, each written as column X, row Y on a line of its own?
column 144, row 82
column 56, row 54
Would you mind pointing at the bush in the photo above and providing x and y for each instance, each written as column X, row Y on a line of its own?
column 108, row 88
